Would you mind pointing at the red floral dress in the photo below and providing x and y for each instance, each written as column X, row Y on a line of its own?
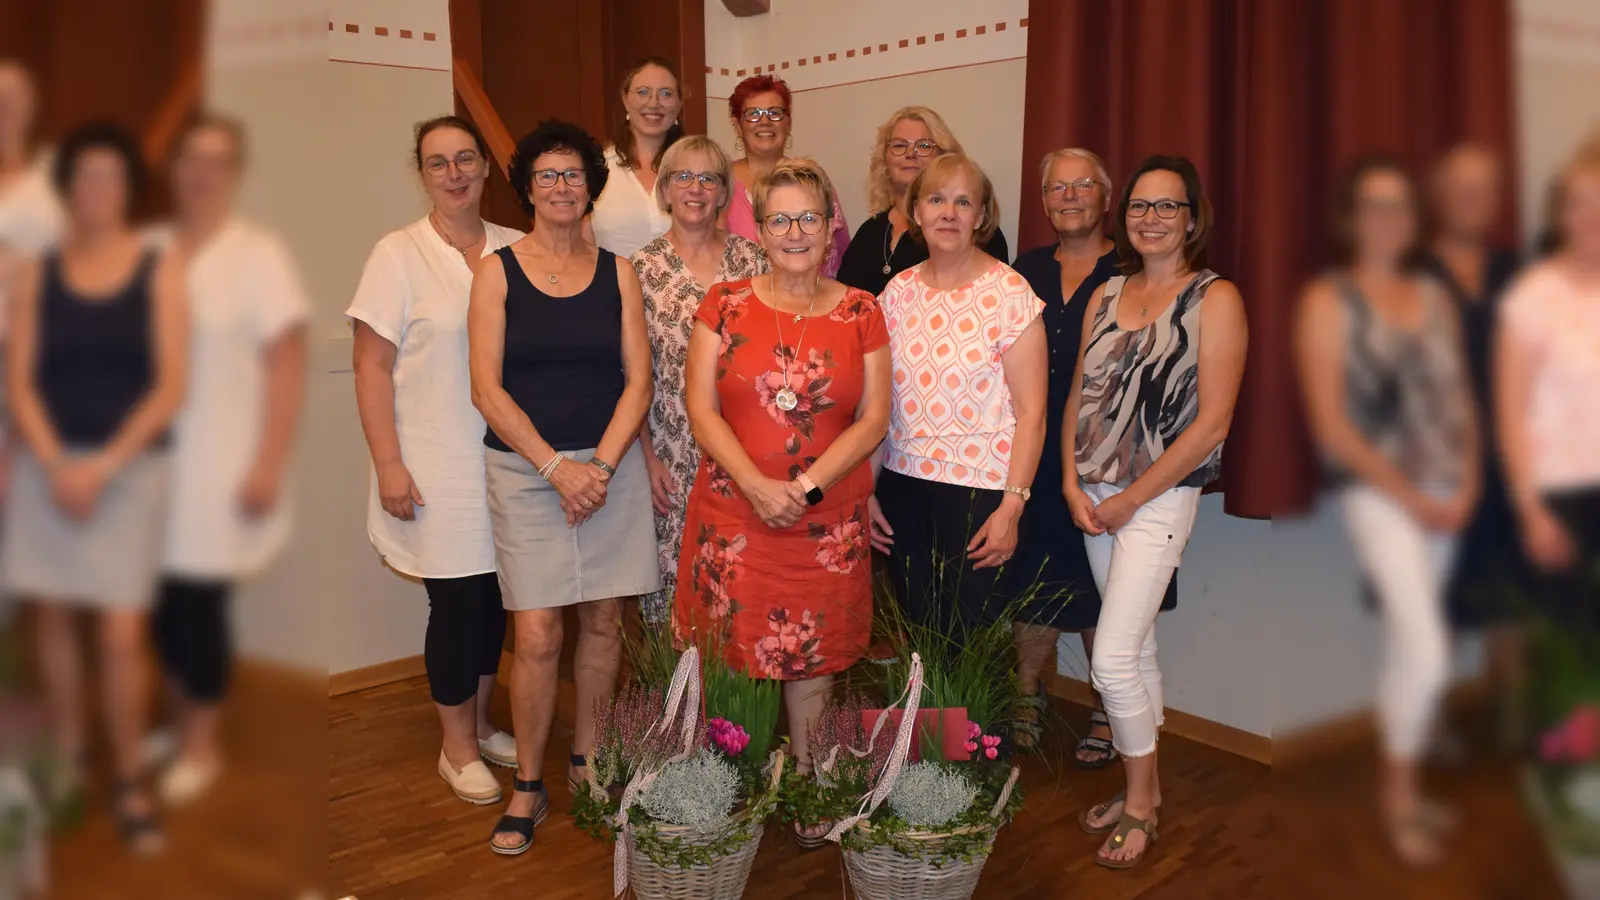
column 796, row 602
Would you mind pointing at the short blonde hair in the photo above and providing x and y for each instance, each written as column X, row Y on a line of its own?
column 880, row 191
column 941, row 172
column 799, row 171
column 1585, row 159
column 687, row 146
column 1101, row 173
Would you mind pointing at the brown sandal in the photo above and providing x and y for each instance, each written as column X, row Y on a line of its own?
column 1098, row 810
column 1126, row 826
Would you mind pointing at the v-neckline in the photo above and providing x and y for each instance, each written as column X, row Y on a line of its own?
column 722, row 262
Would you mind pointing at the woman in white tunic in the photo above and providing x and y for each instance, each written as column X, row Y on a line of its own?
column 626, row 217
column 30, row 215
column 428, row 515
column 232, row 442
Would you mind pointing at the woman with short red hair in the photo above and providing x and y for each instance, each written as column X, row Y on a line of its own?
column 760, row 111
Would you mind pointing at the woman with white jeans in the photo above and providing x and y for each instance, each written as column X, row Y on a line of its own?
column 1383, row 368
column 1158, row 373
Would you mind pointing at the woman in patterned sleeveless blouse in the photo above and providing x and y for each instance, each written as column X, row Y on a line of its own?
column 1385, row 380
column 675, row 270
column 1158, row 374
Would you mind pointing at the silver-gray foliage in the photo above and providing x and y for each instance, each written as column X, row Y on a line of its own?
column 698, row 792
column 928, row 795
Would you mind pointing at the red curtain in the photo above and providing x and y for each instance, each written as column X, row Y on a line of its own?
column 1270, row 100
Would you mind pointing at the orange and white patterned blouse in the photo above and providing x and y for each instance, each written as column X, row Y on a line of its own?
column 952, row 419
column 1559, row 320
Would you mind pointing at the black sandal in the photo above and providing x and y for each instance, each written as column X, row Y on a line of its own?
column 576, row 761
column 522, row 826
column 1108, row 752
column 141, row 832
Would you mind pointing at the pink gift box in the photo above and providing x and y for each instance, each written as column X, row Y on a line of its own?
column 944, row 727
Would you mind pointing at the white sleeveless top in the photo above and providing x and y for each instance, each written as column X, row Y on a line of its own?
column 626, row 216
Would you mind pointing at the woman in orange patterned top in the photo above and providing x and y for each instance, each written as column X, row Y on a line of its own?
column 970, row 387
column 788, row 394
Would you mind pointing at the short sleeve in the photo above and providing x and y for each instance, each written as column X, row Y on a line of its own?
column 1019, row 306
column 281, row 300
column 1525, row 307
column 871, row 325
column 710, row 310
column 383, row 298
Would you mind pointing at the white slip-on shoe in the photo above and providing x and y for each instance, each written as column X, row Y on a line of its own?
column 185, row 780
column 474, row 783
column 499, row 748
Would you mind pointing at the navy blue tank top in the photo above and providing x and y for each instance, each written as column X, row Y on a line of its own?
column 563, row 355
column 96, row 354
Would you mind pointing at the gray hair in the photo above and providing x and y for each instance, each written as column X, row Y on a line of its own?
column 682, row 148
column 1101, row 174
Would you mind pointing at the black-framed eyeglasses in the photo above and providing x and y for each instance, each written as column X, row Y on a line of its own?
column 778, row 224
column 902, row 148
column 665, row 95
column 547, row 178
column 1166, row 209
column 755, row 114
column 708, row 180
column 467, row 162
column 1081, row 186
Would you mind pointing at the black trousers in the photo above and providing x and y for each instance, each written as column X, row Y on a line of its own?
column 932, row 577
column 466, row 628
column 192, row 637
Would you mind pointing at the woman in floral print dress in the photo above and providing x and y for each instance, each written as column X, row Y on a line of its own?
column 788, row 395
column 673, row 270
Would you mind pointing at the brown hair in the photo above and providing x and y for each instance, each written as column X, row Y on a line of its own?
column 1194, row 245
column 1342, row 239
column 428, row 127
column 939, row 173
column 622, row 135
column 799, row 171
column 1586, row 159
column 210, row 121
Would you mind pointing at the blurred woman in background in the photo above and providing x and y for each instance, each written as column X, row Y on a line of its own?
column 762, row 112
column 1385, row 379
column 674, row 272
column 96, row 367
column 30, row 212
column 427, row 511
column 627, row 217
column 233, row 440
column 905, row 145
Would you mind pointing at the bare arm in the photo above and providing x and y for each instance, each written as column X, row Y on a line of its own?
column 286, row 377
column 866, row 433
column 170, row 334
column 486, row 336
column 1027, row 365
column 373, row 361
column 637, row 372
column 22, row 354
column 1515, row 362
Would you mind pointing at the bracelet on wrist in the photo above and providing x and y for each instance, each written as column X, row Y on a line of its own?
column 550, row 467
column 603, row 466
column 1025, row 493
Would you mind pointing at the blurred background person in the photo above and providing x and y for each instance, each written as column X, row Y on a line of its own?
column 1547, row 397
column 1076, row 189
column 95, row 373
column 762, row 111
column 968, row 421
column 30, row 213
column 675, row 271
column 627, row 217
column 1386, row 387
column 1140, row 456
column 427, row 511
column 233, row 439
column 561, row 372
column 904, row 146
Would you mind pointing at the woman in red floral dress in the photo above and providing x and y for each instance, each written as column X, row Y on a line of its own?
column 788, row 394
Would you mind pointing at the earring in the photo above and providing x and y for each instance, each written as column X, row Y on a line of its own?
column 738, row 145
column 1190, row 229
column 788, row 142
column 627, row 117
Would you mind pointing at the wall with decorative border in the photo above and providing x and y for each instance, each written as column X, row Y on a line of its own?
column 411, row 34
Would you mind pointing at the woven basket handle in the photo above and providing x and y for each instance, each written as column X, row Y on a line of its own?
column 1005, row 793
column 683, row 698
column 897, row 757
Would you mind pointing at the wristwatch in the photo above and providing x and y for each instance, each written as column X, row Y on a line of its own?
column 1025, row 493
column 813, row 493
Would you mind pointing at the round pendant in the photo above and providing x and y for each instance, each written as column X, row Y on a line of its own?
column 887, row 270
column 552, row 278
column 786, row 400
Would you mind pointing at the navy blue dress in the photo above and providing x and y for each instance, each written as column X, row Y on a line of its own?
column 1050, row 548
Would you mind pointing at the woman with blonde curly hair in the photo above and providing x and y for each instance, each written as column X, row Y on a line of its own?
column 905, row 145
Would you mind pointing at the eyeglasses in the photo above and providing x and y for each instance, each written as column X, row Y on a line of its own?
column 1081, row 186
column 708, row 180
column 1166, row 209
column 467, row 163
column 778, row 224
column 901, row 148
column 665, row 95
column 755, row 114
column 546, row 178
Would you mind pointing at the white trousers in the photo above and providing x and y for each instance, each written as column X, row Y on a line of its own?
column 1132, row 569
column 1407, row 566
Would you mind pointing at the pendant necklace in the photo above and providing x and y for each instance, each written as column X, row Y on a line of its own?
column 888, row 245
column 786, row 399
column 443, row 233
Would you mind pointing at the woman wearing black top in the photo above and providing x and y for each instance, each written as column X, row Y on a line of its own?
column 95, row 373
column 905, row 145
column 1077, row 195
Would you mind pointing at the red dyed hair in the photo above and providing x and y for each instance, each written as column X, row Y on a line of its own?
column 758, row 84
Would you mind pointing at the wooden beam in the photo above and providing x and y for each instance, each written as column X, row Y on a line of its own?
column 180, row 103
column 744, row 8
column 470, row 89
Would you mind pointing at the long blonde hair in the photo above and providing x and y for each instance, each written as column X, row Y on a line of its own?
column 880, row 191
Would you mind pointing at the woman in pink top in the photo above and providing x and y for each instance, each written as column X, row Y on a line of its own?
column 760, row 111
column 967, row 424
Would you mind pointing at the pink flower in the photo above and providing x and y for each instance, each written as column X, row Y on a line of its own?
column 1577, row 739
column 790, row 652
column 843, row 547
column 731, row 739
column 974, row 730
column 991, row 744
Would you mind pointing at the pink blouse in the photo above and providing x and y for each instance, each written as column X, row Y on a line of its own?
column 1553, row 316
column 742, row 221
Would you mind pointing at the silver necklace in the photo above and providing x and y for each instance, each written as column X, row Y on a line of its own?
column 438, row 226
column 786, row 399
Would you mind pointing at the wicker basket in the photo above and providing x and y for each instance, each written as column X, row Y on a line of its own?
column 884, row 873
column 724, row 879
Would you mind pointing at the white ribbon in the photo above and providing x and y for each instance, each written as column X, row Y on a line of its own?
column 682, row 697
column 897, row 756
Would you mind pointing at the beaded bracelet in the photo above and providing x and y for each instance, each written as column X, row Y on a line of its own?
column 550, row 467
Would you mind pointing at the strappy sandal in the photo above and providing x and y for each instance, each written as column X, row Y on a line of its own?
column 1107, row 751
column 522, row 826
column 1126, row 826
column 141, row 832
column 812, row 841
column 576, row 761
column 1098, row 810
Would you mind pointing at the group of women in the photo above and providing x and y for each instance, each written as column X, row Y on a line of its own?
column 153, row 380
column 701, row 335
